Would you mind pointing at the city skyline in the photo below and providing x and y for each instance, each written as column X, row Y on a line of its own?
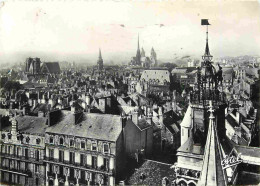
column 73, row 31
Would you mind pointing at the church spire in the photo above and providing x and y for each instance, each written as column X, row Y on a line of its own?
column 207, row 56
column 138, row 53
column 100, row 61
column 138, row 47
column 212, row 172
column 100, row 56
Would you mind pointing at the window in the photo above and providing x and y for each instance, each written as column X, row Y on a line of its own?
column 82, row 159
column 3, row 136
column 37, row 155
column 83, row 145
column 17, row 151
column 9, row 135
column 26, row 165
column 71, row 143
column 51, row 153
column 37, row 181
column 51, row 139
column 106, row 163
column 27, row 139
column 94, row 162
column 106, row 149
column 61, row 156
column 61, row 141
column 37, row 168
column 72, row 157
column 94, row 146
column 38, row 141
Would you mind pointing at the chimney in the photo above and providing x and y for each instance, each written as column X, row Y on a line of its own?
column 102, row 104
column 72, row 107
column 109, row 103
column 34, row 103
column 160, row 113
column 40, row 114
column 24, row 111
column 77, row 117
column 30, row 102
column 88, row 99
column 48, row 95
column 59, row 100
column 11, row 105
column 238, row 117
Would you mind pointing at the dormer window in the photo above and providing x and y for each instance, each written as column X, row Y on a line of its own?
column 27, row 139
column 71, row 143
column 61, row 141
column 82, row 145
column 38, row 141
column 9, row 135
column 94, row 146
column 106, row 148
column 51, row 139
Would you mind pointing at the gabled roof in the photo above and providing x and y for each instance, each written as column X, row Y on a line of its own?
column 186, row 122
column 51, row 67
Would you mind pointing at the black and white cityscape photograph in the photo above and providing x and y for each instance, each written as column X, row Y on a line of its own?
column 129, row 92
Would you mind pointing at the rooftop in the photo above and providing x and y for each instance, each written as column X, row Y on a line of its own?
column 92, row 125
column 153, row 172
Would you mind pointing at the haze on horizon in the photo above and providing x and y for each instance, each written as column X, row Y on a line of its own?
column 74, row 30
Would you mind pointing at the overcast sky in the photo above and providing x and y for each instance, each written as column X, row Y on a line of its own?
column 74, row 30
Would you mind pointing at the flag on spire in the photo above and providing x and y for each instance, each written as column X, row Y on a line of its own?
column 205, row 22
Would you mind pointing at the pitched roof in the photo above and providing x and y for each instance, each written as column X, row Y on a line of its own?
column 232, row 121
column 160, row 75
column 30, row 124
column 154, row 173
column 92, row 125
column 52, row 67
column 186, row 122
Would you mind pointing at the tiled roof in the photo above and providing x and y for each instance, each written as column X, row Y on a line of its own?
column 153, row 171
column 96, row 126
column 231, row 121
column 53, row 67
column 248, row 151
column 160, row 75
column 188, row 147
column 30, row 124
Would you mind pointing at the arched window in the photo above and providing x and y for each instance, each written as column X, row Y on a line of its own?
column 71, row 142
column 9, row 135
column 61, row 141
column 51, row 139
column 27, row 139
column 38, row 141
column 3, row 136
